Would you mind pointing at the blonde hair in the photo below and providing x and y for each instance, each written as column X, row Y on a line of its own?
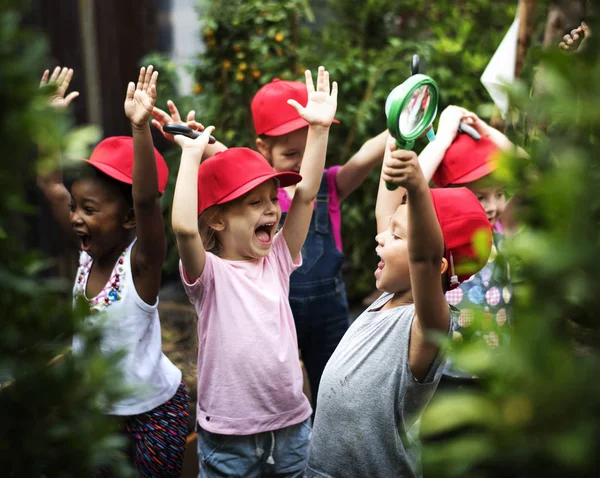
column 210, row 237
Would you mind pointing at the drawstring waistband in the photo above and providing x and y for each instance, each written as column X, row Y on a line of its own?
column 259, row 451
column 270, row 460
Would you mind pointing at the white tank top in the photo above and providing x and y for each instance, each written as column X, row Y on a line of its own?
column 133, row 326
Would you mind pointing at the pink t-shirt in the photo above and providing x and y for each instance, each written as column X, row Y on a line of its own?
column 249, row 374
column 335, row 213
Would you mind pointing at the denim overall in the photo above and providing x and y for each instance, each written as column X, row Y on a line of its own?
column 317, row 293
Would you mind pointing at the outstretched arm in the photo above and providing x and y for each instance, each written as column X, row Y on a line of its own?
column 318, row 113
column 150, row 250
column 184, row 218
column 352, row 174
column 425, row 253
column 51, row 184
column 162, row 118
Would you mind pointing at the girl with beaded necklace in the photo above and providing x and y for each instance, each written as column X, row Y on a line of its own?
column 112, row 211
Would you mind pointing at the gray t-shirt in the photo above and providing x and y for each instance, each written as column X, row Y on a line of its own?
column 369, row 401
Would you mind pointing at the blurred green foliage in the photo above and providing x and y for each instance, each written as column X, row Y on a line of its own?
column 537, row 411
column 51, row 419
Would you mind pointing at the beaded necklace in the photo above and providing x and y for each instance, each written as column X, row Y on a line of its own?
column 113, row 289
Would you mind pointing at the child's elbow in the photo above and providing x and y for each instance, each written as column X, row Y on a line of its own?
column 184, row 231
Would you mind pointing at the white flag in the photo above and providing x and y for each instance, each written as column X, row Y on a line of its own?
column 500, row 71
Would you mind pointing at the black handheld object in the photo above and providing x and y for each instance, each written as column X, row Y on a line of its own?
column 472, row 132
column 414, row 66
column 185, row 131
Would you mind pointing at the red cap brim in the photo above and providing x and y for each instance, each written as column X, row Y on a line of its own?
column 110, row 171
column 477, row 173
column 285, row 179
column 289, row 127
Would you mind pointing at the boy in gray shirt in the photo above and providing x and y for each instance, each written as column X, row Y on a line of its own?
column 385, row 369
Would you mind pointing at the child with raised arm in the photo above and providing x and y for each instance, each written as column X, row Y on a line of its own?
column 114, row 214
column 235, row 265
column 387, row 367
column 317, row 291
column 458, row 160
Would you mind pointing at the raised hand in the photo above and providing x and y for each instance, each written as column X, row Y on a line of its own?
column 449, row 122
column 61, row 77
column 140, row 98
column 476, row 122
column 196, row 146
column 575, row 39
column 402, row 168
column 162, row 118
column 322, row 103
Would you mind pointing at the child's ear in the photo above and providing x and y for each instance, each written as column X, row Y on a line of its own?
column 264, row 148
column 129, row 222
column 444, row 267
column 218, row 224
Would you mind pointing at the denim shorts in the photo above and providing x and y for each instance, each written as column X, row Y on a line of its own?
column 282, row 452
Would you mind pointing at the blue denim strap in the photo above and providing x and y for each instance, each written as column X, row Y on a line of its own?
column 322, row 210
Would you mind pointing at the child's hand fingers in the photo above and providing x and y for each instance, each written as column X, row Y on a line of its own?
column 130, row 91
column 44, row 79
column 403, row 155
column 141, row 76
column 153, row 80
column 148, row 77
column 334, row 91
column 321, row 79
column 160, row 116
column 205, row 136
column 70, row 97
column 195, row 125
column 191, row 116
column 157, row 125
column 61, row 77
column 64, row 85
column 55, row 74
column 181, row 140
column 152, row 95
column 174, row 112
column 297, row 106
column 310, row 87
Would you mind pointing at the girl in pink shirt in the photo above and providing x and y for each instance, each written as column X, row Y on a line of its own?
column 235, row 266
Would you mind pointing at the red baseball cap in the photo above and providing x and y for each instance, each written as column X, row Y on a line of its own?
column 466, row 229
column 271, row 113
column 114, row 157
column 466, row 160
column 230, row 174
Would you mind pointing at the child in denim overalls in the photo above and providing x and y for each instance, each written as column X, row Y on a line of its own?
column 317, row 292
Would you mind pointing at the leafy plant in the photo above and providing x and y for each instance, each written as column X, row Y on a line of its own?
column 536, row 413
column 51, row 403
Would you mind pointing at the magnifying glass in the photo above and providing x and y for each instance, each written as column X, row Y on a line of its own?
column 462, row 126
column 410, row 109
column 174, row 128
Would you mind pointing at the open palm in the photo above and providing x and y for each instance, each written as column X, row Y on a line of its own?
column 140, row 98
column 322, row 103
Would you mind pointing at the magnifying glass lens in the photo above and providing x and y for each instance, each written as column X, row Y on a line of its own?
column 413, row 113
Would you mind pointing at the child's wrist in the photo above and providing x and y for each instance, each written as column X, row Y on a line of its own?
column 191, row 155
column 319, row 128
column 135, row 127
